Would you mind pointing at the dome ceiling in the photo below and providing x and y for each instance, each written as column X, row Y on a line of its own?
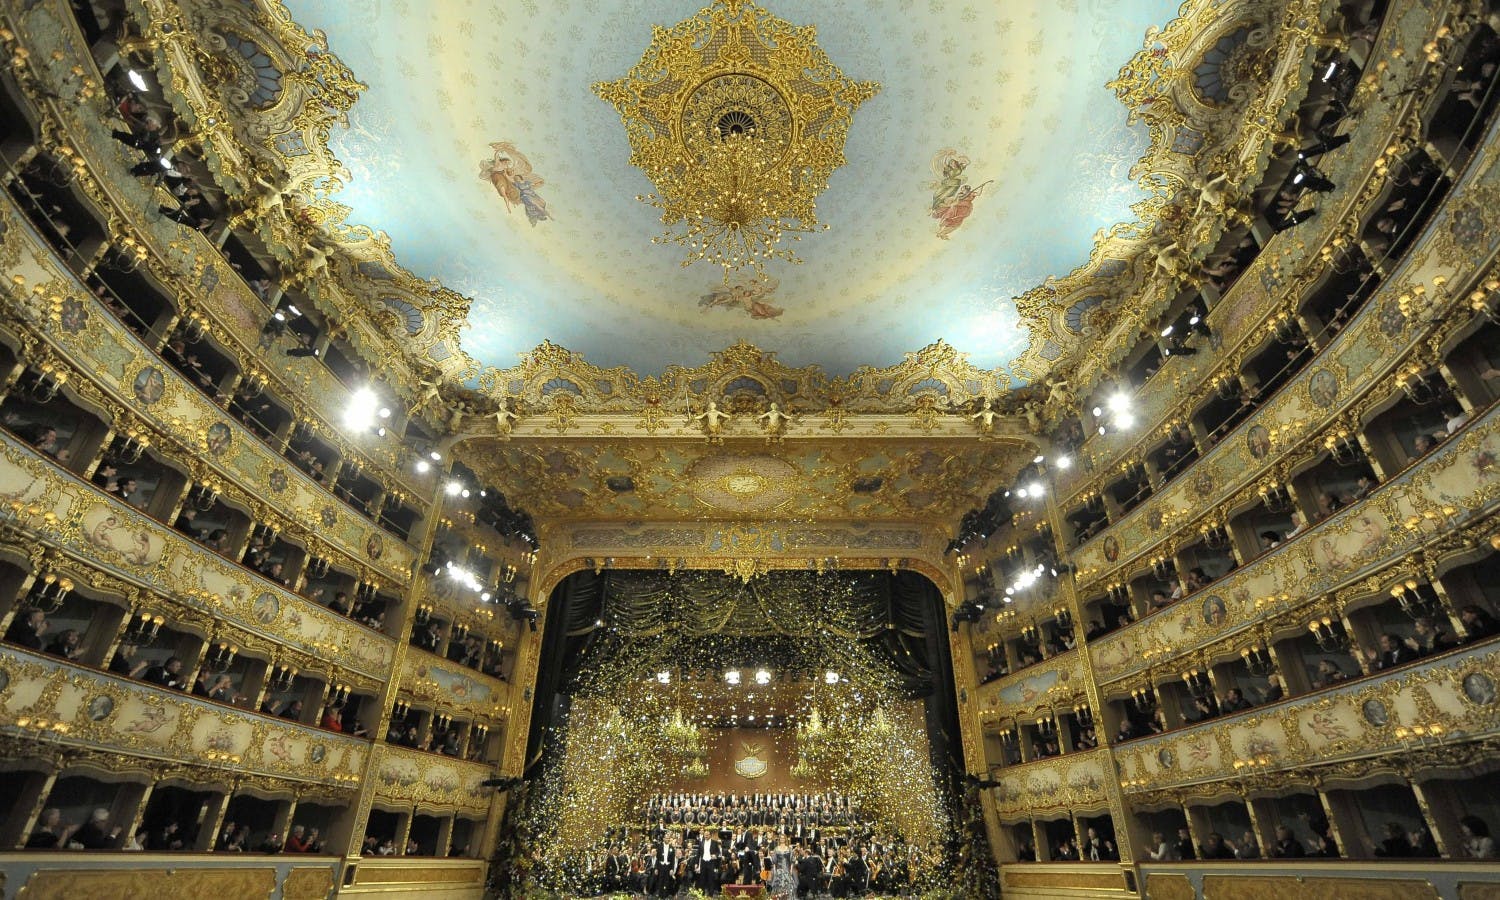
column 480, row 149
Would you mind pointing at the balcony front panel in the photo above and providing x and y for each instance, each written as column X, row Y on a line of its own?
column 167, row 876
column 1035, row 790
column 1315, row 879
column 431, row 781
column 41, row 502
column 1050, row 683
column 54, row 306
column 111, row 715
column 1452, row 699
column 1364, row 353
column 451, row 688
column 1457, row 485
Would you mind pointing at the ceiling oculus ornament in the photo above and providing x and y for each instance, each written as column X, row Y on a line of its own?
column 738, row 118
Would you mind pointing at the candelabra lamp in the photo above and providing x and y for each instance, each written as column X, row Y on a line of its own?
column 220, row 656
column 317, row 567
column 1162, row 568
column 1144, row 699
column 1064, row 619
column 1046, row 726
column 129, row 446
column 1344, row 448
column 205, row 495
column 1275, row 496
column 1416, row 599
column 1485, row 299
column 1330, row 634
column 48, row 592
column 1258, row 660
column 365, row 592
column 141, row 629
column 338, row 694
column 1197, row 683
column 283, row 677
column 400, row 711
column 48, row 381
column 1084, row 714
column 1420, row 387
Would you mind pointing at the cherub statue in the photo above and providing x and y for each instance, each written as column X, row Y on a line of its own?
column 456, row 418
column 713, row 420
column 315, row 263
column 504, row 418
column 1057, row 394
column 429, row 394
column 774, row 421
column 985, row 417
column 1033, row 411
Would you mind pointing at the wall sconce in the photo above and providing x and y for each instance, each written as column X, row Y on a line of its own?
column 1258, row 660
column 1344, row 448
column 142, row 629
column 48, row 592
column 1084, row 714
column 1420, row 387
column 1197, row 683
column 1214, row 537
column 264, row 534
column 205, row 495
column 1119, row 594
column 401, row 710
column 1163, row 568
column 129, row 446
column 1251, row 765
column 441, row 721
column 193, row 327
column 457, row 633
column 1144, row 699
column 282, row 678
column 1416, row 599
column 338, row 694
column 1227, row 388
column 220, row 656
column 1046, row 726
column 423, row 613
column 1421, row 733
column 49, row 379
column 1275, row 496
column 1064, row 619
column 1329, row 633
column 364, row 592
column 1485, row 300
column 251, row 385
column 317, row 567
column 1030, row 635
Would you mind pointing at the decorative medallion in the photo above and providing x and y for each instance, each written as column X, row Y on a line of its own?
column 277, row 480
column 149, row 385
column 751, row 765
column 217, row 438
column 1479, row 688
column 71, row 316
column 1392, row 320
column 1155, row 518
column 1323, row 388
column 318, row 753
column 738, row 118
column 1202, row 484
column 1258, row 440
column 1375, row 713
column 100, row 707
column 1214, row 611
column 743, row 483
column 374, row 546
column 265, row 608
column 1166, row 758
column 1111, row 548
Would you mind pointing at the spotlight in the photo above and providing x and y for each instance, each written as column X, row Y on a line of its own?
column 732, row 676
column 1064, row 462
column 139, row 80
column 1021, row 492
column 1327, row 73
column 1166, row 332
column 380, row 431
column 762, row 676
column 423, row 466
column 1036, row 489
column 454, row 487
column 485, row 596
column 483, row 493
column 1125, row 420
column 1195, row 319
column 1119, row 403
column 1098, row 412
column 292, row 308
column 385, row 412
column 1039, row 459
column 465, row 492
column 279, row 316
column 436, row 456
column 359, row 415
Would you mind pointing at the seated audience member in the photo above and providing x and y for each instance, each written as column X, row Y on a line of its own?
column 1287, row 845
column 1397, row 843
column 1477, row 841
column 1247, row 848
column 27, row 628
column 296, row 842
column 167, row 675
column 124, row 662
column 1393, row 652
column 1328, row 674
column 1215, row 848
column 97, row 833
column 68, row 645
column 1478, row 624
column 50, row 833
column 1234, row 701
column 1428, row 638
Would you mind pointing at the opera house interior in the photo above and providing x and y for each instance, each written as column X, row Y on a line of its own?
column 593, row 473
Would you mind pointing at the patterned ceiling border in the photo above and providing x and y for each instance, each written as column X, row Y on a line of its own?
column 261, row 94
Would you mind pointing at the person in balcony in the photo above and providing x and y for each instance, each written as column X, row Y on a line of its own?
column 1247, row 848
column 1274, row 689
column 333, row 718
column 1393, row 652
column 27, row 630
column 1397, row 843
column 1287, row 845
column 1160, row 850
column 1328, row 674
column 68, row 645
column 1183, row 849
column 1214, row 847
column 272, row 843
column 1160, row 600
column 1477, row 841
column 292, row 711
column 1234, row 701
column 296, row 842
column 167, row 675
column 50, row 833
column 97, row 833
column 1429, row 638
column 1478, row 624
column 124, row 662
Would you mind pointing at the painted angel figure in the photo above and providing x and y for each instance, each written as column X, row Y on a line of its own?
column 511, row 174
column 952, row 196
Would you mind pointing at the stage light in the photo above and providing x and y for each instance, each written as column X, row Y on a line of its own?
column 359, row 415
column 1098, row 412
column 1195, row 319
column 136, row 79
column 1119, row 403
column 423, row 466
column 1327, row 73
column 1125, row 420
column 664, row 677
column 1021, row 492
column 1036, row 489
column 292, row 308
column 1166, row 332
column 732, row 676
column 465, row 492
column 830, row 677
column 1064, row 461
column 762, row 676
column 385, row 412
column 485, row 596
column 1039, row 459
column 436, row 456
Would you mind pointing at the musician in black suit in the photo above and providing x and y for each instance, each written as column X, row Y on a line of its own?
column 710, row 857
column 663, row 881
column 747, row 847
column 857, row 874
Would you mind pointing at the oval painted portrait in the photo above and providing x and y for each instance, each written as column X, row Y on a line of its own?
column 1258, row 441
column 1111, row 548
column 149, row 386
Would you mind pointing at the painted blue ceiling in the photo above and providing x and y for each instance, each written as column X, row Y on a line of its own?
column 1017, row 88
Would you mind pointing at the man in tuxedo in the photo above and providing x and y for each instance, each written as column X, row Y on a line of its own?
column 748, row 849
column 857, row 873
column 616, row 865
column 710, row 854
column 809, row 872
column 663, row 867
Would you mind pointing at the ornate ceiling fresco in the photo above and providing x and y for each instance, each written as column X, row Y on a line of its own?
column 988, row 161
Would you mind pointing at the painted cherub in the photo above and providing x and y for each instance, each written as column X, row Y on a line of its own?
column 713, row 420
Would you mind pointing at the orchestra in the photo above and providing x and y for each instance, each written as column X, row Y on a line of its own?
column 701, row 841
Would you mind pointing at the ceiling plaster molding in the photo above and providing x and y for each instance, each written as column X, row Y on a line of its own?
column 275, row 160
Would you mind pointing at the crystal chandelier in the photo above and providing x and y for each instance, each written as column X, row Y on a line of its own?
column 738, row 118
column 682, row 736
